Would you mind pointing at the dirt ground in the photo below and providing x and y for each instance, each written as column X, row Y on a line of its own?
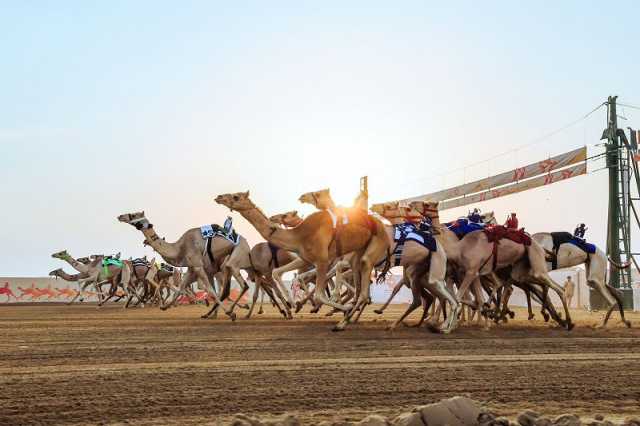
column 82, row 364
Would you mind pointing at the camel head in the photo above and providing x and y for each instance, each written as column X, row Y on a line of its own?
column 55, row 273
column 391, row 208
column 320, row 199
column 137, row 220
column 425, row 208
column 86, row 260
column 235, row 201
column 289, row 219
column 60, row 255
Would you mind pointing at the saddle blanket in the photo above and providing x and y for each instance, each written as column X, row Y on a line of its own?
column 409, row 232
column 107, row 261
column 211, row 231
column 463, row 226
column 139, row 262
column 560, row 238
column 497, row 232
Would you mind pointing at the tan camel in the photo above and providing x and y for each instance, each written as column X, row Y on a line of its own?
column 190, row 251
column 82, row 286
column 319, row 240
column 417, row 262
column 569, row 255
column 476, row 256
column 75, row 264
column 293, row 263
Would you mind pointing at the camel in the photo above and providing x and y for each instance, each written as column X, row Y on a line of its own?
column 476, row 256
column 75, row 264
column 569, row 255
column 94, row 273
column 7, row 292
column 416, row 260
column 82, row 266
column 191, row 250
column 293, row 262
column 319, row 240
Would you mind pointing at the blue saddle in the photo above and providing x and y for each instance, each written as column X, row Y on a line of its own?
column 404, row 232
column 582, row 244
column 463, row 226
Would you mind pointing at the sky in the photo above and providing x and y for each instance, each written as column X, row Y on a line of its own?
column 120, row 106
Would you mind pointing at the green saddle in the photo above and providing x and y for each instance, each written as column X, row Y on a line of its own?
column 111, row 261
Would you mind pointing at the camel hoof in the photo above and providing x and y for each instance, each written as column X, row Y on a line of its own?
column 378, row 311
column 531, row 317
column 329, row 314
column 627, row 323
column 338, row 327
column 246, row 317
column 434, row 329
column 570, row 326
column 298, row 307
column 260, row 312
column 232, row 315
column 205, row 316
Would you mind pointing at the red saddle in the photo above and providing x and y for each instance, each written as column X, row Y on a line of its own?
column 497, row 232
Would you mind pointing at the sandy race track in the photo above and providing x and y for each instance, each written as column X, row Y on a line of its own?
column 83, row 364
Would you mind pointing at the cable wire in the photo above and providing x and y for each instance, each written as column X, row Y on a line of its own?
column 533, row 142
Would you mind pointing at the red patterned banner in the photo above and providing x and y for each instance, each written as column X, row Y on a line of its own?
column 539, row 168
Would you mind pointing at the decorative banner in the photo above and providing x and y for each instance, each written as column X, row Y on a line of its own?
column 548, row 179
column 45, row 289
column 517, row 175
column 41, row 289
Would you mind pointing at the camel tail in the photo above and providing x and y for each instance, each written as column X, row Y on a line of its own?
column 382, row 276
column 619, row 265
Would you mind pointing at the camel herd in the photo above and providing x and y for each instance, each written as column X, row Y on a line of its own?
column 338, row 252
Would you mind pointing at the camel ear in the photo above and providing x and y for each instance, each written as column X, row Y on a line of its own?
column 246, row 194
column 295, row 212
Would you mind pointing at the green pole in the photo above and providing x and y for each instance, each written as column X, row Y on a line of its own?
column 613, row 163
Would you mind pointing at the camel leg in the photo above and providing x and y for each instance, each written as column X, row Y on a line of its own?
column 256, row 290
column 613, row 298
column 415, row 291
column 477, row 290
column 362, row 266
column 283, row 300
column 321, row 285
column 203, row 281
column 243, row 285
column 427, row 303
column 528, row 294
column 544, row 277
column 395, row 291
column 277, row 276
column 261, row 311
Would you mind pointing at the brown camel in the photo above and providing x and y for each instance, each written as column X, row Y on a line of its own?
column 319, row 240
column 417, row 261
column 476, row 256
column 191, row 251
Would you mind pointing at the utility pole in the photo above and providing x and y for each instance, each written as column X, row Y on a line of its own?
column 613, row 222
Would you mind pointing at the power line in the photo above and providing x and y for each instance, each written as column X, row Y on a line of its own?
column 527, row 145
column 628, row 105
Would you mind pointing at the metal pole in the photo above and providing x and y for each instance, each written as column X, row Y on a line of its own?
column 613, row 231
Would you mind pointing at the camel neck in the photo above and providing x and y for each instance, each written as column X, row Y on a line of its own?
column 168, row 251
column 283, row 238
column 78, row 266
